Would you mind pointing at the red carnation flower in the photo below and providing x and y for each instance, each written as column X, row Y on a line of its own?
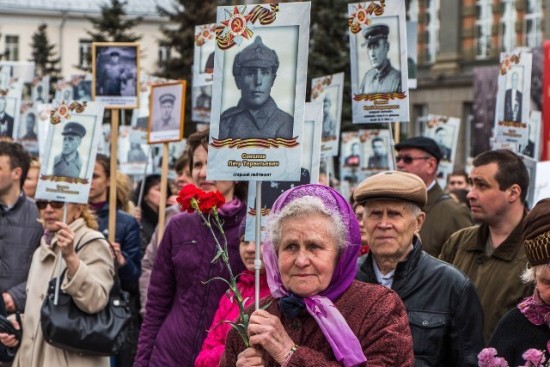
column 209, row 200
column 186, row 196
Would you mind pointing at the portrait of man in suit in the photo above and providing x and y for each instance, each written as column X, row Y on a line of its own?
column 6, row 121
column 440, row 138
column 379, row 159
column 512, row 100
column 256, row 115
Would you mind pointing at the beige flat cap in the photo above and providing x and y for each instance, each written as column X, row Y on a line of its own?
column 392, row 185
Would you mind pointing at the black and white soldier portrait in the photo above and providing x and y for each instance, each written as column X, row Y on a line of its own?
column 379, row 158
column 69, row 163
column 6, row 118
column 257, row 115
column 166, row 120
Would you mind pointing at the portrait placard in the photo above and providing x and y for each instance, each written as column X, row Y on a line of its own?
column 351, row 158
column 27, row 133
column 311, row 158
column 115, row 74
column 166, row 112
column 534, row 137
column 377, row 150
column 10, row 106
column 259, row 92
column 513, row 98
column 378, row 52
column 445, row 131
column 531, row 166
column 330, row 91
column 68, row 162
column 203, row 71
column 40, row 90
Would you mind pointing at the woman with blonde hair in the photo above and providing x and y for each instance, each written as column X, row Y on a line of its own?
column 89, row 279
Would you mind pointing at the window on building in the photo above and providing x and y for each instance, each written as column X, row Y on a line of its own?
column 12, row 48
column 412, row 13
column 533, row 23
column 164, row 54
column 508, row 25
column 432, row 28
column 484, row 22
column 84, row 53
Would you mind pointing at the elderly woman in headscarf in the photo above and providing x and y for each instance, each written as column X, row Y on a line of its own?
column 318, row 314
column 528, row 325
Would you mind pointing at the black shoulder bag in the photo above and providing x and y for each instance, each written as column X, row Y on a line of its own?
column 67, row 327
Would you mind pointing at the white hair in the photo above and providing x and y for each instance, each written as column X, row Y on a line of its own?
column 303, row 207
column 530, row 272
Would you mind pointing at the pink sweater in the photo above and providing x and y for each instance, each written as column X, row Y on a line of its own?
column 214, row 344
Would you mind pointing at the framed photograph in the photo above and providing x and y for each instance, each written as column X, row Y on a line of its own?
column 10, row 108
column 379, row 67
column 377, row 150
column 115, row 74
column 203, row 72
column 167, row 111
column 351, row 158
column 513, row 98
column 40, row 90
column 311, row 159
column 329, row 90
column 68, row 161
column 534, row 137
column 27, row 133
column 258, row 98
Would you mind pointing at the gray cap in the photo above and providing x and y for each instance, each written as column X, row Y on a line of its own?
column 375, row 32
column 74, row 128
column 167, row 98
column 255, row 55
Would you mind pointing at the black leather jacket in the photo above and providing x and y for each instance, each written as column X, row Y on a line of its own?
column 444, row 311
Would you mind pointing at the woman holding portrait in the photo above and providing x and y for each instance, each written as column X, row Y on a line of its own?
column 89, row 279
column 318, row 314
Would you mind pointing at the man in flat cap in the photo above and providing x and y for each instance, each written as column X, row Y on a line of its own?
column 256, row 115
column 491, row 254
column 68, row 163
column 444, row 311
column 444, row 216
column 111, row 75
column 382, row 78
column 166, row 122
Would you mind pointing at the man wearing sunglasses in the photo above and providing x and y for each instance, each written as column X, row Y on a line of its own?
column 444, row 216
column 20, row 231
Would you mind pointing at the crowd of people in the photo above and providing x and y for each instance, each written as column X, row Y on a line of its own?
column 403, row 273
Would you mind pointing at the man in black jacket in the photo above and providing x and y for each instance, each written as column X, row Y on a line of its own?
column 444, row 311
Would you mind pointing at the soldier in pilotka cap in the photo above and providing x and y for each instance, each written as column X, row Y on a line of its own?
column 382, row 78
column 68, row 163
column 256, row 115
column 166, row 121
column 441, row 302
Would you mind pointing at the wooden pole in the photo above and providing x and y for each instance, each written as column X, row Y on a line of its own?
column 163, row 188
column 112, row 180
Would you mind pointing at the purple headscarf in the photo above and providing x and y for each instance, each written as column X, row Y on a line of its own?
column 345, row 345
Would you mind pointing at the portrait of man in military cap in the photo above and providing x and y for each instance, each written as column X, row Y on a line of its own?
column 166, row 120
column 69, row 163
column 382, row 77
column 256, row 114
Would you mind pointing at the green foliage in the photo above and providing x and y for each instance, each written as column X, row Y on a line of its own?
column 43, row 54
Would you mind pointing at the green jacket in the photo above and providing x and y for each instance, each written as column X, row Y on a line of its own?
column 497, row 277
column 444, row 216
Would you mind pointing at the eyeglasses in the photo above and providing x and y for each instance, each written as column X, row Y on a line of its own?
column 407, row 159
column 42, row 204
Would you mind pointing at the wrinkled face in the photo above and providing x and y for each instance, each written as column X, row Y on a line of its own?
column 391, row 227
column 378, row 52
column 49, row 216
column 423, row 165
column 29, row 186
column 307, row 254
column 378, row 148
column 198, row 172
column 100, row 184
column 255, row 84
column 71, row 143
column 166, row 110
column 457, row 182
column 542, row 283
column 488, row 203
column 359, row 210
column 153, row 197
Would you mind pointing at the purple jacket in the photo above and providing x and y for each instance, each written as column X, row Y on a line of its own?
column 180, row 307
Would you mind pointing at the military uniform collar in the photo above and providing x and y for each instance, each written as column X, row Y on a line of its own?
column 262, row 114
column 384, row 71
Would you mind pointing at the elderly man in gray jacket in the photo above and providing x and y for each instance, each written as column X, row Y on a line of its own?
column 20, row 230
